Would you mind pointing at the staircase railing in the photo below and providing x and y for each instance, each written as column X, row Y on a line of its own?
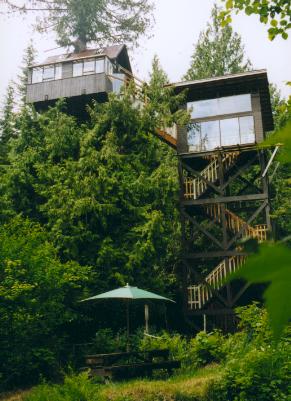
column 194, row 188
column 198, row 295
column 235, row 223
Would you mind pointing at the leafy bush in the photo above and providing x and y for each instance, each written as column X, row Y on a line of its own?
column 196, row 352
column 75, row 388
column 260, row 374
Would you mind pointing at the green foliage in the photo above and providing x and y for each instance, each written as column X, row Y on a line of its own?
column 276, row 13
column 7, row 124
column 75, row 388
column 28, row 59
column 193, row 353
column 37, row 295
column 261, row 374
column 78, row 23
column 219, row 51
column 272, row 265
column 283, row 137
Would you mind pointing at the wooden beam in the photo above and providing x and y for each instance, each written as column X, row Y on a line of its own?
column 202, row 229
column 240, row 171
column 225, row 199
column 214, row 254
column 247, row 223
column 239, row 294
column 201, row 280
column 197, row 174
column 211, row 312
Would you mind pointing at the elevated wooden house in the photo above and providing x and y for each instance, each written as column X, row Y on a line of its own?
column 224, row 185
column 78, row 77
column 224, row 192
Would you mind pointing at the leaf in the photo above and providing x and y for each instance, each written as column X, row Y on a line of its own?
column 284, row 137
column 285, row 35
column 274, row 22
column 272, row 264
column 229, row 4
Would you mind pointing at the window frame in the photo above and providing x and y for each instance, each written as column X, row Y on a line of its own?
column 219, row 118
column 42, row 68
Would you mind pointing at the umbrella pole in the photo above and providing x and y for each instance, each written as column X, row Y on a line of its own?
column 146, row 317
column 127, row 325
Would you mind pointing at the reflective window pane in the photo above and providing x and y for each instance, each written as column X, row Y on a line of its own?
column 220, row 106
column 77, row 69
column 36, row 75
column 229, row 132
column 118, row 82
column 109, row 67
column 203, row 108
column 58, row 71
column 89, row 66
column 48, row 73
column 247, row 129
column 99, row 66
column 234, row 104
column 193, row 137
column 210, row 135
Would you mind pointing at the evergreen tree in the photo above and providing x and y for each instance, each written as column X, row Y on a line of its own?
column 7, row 122
column 219, row 51
column 28, row 59
column 78, row 22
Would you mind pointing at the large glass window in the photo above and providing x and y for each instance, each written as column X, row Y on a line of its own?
column 99, row 66
column 58, row 71
column 77, row 69
column 220, row 106
column 36, row 75
column 247, row 129
column 208, row 135
column 229, row 129
column 194, row 137
column 48, row 72
column 89, row 66
column 234, row 104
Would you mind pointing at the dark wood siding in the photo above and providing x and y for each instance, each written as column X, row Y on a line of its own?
column 68, row 87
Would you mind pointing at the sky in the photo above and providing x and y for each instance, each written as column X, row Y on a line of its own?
column 173, row 36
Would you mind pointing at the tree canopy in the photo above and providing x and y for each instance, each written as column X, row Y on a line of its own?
column 275, row 13
column 77, row 22
column 219, row 51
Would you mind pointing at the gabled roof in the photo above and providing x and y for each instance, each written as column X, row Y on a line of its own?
column 114, row 52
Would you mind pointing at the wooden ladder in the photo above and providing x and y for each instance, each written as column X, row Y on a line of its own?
column 194, row 188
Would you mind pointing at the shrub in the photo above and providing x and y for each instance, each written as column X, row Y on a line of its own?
column 260, row 375
column 75, row 388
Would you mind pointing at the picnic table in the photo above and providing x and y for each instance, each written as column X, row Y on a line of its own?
column 129, row 364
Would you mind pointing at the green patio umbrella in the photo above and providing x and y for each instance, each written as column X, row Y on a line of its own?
column 130, row 293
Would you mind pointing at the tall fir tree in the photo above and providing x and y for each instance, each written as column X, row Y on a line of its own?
column 77, row 23
column 27, row 60
column 7, row 122
column 219, row 51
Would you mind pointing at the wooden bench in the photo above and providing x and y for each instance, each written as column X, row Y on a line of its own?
column 129, row 364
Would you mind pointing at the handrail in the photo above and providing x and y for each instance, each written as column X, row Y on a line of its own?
column 194, row 188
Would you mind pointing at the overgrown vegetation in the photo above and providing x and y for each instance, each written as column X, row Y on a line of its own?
column 240, row 367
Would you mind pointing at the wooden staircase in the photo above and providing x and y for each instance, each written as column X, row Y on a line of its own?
column 194, row 188
column 199, row 295
column 235, row 223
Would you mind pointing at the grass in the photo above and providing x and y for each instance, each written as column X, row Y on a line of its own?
column 190, row 387
column 182, row 387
